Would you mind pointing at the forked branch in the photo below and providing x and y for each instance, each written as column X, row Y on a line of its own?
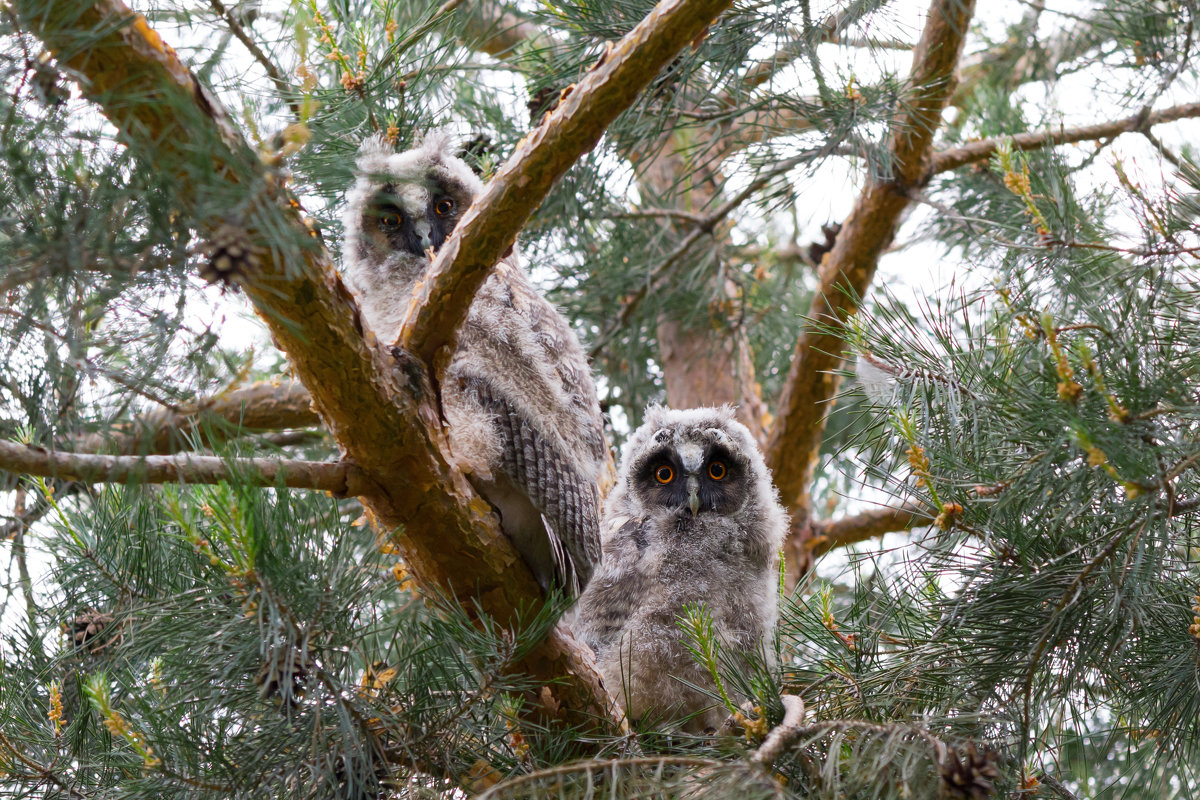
column 490, row 226
column 376, row 401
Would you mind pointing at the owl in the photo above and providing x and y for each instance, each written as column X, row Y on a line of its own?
column 519, row 403
column 693, row 519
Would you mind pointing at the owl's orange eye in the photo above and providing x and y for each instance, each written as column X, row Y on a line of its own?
column 664, row 474
column 390, row 220
column 716, row 470
column 444, row 206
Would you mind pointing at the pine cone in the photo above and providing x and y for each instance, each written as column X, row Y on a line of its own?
column 283, row 676
column 86, row 629
column 231, row 256
column 969, row 776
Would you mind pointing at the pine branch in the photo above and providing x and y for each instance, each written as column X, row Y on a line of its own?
column 829, row 31
column 38, row 774
column 982, row 150
column 703, row 226
column 338, row 477
column 377, row 403
column 847, row 270
column 831, row 534
column 263, row 406
column 490, row 226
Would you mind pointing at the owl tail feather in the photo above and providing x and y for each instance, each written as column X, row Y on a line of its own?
column 565, row 574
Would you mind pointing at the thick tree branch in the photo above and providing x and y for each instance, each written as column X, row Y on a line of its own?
column 832, row 534
column 338, row 477
column 263, row 406
column 982, row 150
column 377, row 403
column 847, row 270
column 490, row 226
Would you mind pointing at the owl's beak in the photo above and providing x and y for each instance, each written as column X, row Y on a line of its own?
column 425, row 233
column 693, row 486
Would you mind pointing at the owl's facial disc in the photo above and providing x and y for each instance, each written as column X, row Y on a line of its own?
column 691, row 479
column 417, row 218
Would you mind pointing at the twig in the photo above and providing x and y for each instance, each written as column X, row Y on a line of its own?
column 24, row 518
column 1069, row 597
column 659, row 213
column 972, row 152
column 501, row 789
column 782, row 734
column 1057, row 787
column 338, row 477
column 285, row 89
column 44, row 773
column 489, row 227
column 1162, row 149
column 831, row 534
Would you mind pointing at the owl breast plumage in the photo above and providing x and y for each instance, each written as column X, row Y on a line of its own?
column 693, row 519
column 522, row 416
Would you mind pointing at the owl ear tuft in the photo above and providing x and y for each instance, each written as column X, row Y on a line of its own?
column 375, row 145
column 373, row 149
column 440, row 143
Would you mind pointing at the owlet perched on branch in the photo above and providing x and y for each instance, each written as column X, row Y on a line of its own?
column 524, row 423
column 693, row 519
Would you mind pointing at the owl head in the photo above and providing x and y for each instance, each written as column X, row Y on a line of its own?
column 695, row 463
column 401, row 208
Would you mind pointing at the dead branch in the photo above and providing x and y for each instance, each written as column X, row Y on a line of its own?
column 972, row 152
column 263, row 406
column 831, row 534
column 338, row 477
column 847, row 270
column 572, row 129
column 376, row 402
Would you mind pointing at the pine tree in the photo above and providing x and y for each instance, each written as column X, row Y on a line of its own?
column 253, row 571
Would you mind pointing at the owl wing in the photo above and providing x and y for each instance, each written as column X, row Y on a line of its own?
column 619, row 587
column 568, row 502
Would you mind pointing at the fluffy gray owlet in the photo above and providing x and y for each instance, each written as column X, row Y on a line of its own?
column 523, row 420
column 692, row 519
